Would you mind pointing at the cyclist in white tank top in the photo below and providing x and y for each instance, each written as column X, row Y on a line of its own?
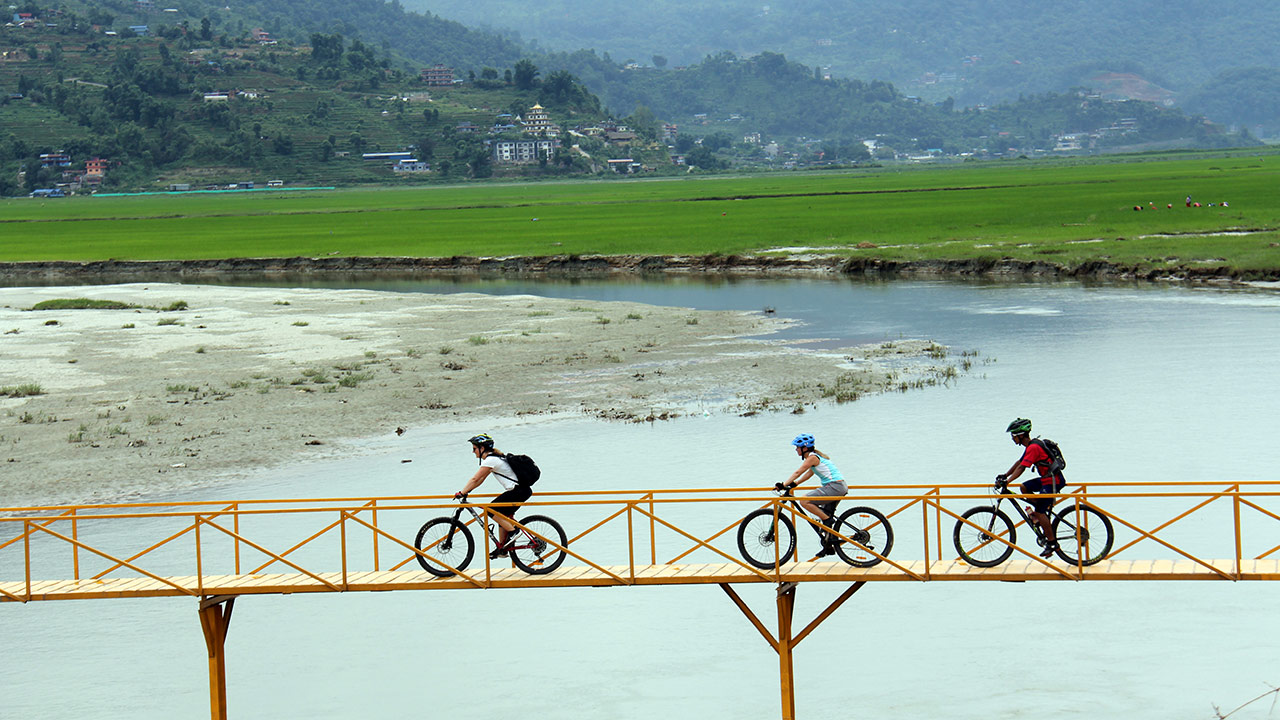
column 833, row 487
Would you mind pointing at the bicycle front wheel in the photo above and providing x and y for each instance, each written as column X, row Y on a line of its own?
column 870, row 529
column 1084, row 538
column 445, row 541
column 533, row 551
column 981, row 546
column 759, row 544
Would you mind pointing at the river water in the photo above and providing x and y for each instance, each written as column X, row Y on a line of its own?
column 1140, row 382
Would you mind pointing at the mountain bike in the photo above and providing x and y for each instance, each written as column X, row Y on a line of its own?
column 764, row 543
column 1083, row 534
column 535, row 548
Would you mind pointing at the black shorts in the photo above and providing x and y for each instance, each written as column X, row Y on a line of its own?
column 1042, row 485
column 508, row 502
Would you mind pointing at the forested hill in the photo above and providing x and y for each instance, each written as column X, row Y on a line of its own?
column 414, row 38
column 972, row 50
column 1178, row 52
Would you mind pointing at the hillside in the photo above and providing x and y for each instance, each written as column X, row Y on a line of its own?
column 201, row 103
column 975, row 51
column 179, row 108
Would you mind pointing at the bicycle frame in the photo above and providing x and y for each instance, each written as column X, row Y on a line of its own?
column 516, row 533
column 831, row 511
column 1013, row 498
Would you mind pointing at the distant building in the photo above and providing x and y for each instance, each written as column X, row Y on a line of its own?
column 387, row 156
column 410, row 165
column 624, row 166
column 216, row 97
column 140, row 30
column 618, row 137
column 49, row 160
column 437, row 75
column 537, row 122
column 95, row 166
column 515, row 152
column 262, row 37
column 179, row 187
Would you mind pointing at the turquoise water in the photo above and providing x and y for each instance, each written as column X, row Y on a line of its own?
column 1135, row 382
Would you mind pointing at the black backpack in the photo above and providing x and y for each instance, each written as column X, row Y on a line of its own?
column 1055, row 454
column 526, row 470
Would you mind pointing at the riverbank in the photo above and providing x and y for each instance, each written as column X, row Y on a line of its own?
column 191, row 383
column 799, row 263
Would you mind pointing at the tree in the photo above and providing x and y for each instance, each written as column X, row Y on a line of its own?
column 659, row 61
column 702, row 157
column 326, row 48
column 644, row 123
column 526, row 74
column 206, row 29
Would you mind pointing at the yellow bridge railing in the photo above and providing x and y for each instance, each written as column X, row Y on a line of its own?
column 614, row 537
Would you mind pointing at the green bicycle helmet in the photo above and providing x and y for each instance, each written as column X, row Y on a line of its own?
column 1019, row 426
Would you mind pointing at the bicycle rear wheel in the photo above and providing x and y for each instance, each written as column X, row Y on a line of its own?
column 757, row 541
column 1094, row 531
column 445, row 540
column 979, row 545
column 533, row 553
column 870, row 529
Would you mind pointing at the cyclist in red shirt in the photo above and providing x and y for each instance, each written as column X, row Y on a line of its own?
column 1050, row 480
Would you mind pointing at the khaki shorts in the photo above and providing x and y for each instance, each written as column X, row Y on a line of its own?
column 835, row 489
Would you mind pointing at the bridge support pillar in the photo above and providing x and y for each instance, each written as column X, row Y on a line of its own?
column 786, row 605
column 215, row 620
column 786, row 641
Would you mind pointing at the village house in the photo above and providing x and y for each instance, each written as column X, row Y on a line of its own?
column 58, row 159
column 624, row 166
column 437, row 75
column 619, row 137
column 410, row 165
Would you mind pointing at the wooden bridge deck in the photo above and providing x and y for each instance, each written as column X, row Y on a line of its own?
column 1015, row 570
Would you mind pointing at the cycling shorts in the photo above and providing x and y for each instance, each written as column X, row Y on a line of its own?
column 508, row 502
column 1042, row 485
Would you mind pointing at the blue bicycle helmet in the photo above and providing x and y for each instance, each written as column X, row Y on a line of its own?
column 804, row 440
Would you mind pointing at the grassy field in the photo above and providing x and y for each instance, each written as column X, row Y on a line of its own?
column 1060, row 211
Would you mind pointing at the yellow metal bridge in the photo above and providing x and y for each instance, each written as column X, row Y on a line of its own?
column 216, row 552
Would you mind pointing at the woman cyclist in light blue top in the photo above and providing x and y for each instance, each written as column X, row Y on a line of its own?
column 815, row 462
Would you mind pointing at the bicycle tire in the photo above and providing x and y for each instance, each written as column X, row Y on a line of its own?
column 1096, row 534
column 979, row 547
column 756, row 539
column 539, row 557
column 433, row 539
column 870, row 528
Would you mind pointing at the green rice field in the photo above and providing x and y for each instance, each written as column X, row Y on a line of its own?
column 1061, row 211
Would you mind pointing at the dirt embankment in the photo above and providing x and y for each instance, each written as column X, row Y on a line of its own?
column 808, row 265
